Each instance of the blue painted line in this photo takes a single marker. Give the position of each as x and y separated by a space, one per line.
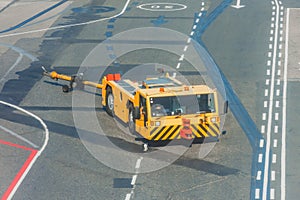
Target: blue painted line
240 113
112 20
108 34
110 26
34 17
112 56
109 48
159 21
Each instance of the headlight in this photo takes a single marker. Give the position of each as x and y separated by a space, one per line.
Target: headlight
157 123
213 119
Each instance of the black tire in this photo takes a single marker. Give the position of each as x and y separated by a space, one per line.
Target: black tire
65 88
131 120
109 100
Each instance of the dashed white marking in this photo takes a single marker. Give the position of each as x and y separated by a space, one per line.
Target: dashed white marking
189 40
271 31
273 13
202 9
281 13
276 129
275 143
269 63
133 179
281 25
266 92
271 38
274 158
281 32
197 20
268 72
270 46
280 39
279 72
272 2
273 7
194 27
281 8
128 196
279 63
267 81
278 82
258 176
277 104
199 15
264 116
261 143
178 65
185 48
273 176
257 193
276 116
265 104
203 3
260 158
272 193
192 33
181 57
279 54
138 163
269 54
280 46
281 19
277 92
262 129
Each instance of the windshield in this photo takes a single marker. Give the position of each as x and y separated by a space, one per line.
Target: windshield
181 105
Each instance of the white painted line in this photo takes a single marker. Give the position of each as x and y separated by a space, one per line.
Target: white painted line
202 9
138 163
192 33
197 20
277 92
272 2
279 63
280 2
272 194
271 31
128 196
194 27
273 176
281 25
189 40
281 8
181 57
269 63
178 65
281 19
284 97
267 81
279 72
266 92
272 19
12 67
273 13
277 104
39 151
264 116
262 129
261 143
69 25
280 46
276 116
269 54
257 191
260 158
276 129
278 82
268 72
271 38
281 32
185 48
133 179
274 158
281 13
258 176
203 3
270 115
273 7
174 75
280 39
265 104
199 15
270 46
275 143
279 54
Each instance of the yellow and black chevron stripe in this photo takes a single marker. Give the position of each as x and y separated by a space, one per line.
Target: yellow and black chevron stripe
171 132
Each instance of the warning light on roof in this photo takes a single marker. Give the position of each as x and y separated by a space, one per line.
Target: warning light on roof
161 89
186 88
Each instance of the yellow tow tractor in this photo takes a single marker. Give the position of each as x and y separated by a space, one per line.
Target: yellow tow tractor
161 110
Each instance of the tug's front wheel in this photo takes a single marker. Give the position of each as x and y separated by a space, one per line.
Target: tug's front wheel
109 102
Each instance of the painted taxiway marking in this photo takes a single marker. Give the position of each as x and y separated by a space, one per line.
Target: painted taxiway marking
17 182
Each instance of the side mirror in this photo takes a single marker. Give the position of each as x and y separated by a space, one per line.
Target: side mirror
225 106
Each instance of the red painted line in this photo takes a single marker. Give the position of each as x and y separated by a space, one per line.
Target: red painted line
16 145
23 168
